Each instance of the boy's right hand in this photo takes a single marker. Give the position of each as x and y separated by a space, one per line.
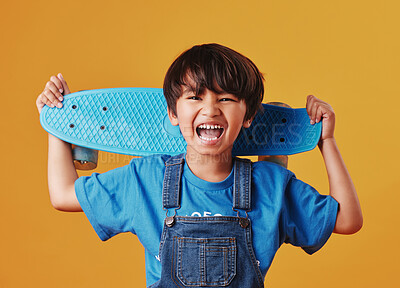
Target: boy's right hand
53 93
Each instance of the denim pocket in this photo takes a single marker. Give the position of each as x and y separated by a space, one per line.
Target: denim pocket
206 261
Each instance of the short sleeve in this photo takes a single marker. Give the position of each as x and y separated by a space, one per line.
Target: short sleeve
107 200
309 217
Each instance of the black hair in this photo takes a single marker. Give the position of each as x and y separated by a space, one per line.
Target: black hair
219 69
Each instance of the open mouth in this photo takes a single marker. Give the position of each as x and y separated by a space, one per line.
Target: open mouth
209 132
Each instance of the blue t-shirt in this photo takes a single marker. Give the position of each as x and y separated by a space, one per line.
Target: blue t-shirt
129 199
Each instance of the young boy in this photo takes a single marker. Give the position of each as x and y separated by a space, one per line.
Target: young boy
251 208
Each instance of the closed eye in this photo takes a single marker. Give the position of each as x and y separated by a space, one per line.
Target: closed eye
227 99
193 98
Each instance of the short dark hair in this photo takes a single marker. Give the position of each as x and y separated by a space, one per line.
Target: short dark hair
219 69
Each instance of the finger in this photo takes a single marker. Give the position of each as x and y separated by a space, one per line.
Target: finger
316 106
57 83
54 89
43 100
311 99
51 99
308 104
64 84
319 113
312 106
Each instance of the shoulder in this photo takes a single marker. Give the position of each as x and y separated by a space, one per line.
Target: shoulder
137 167
158 159
152 162
148 167
264 170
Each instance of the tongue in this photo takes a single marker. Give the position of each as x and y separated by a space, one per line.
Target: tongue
210 133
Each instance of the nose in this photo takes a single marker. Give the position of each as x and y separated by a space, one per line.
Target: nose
210 107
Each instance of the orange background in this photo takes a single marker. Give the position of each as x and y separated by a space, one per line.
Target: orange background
345 52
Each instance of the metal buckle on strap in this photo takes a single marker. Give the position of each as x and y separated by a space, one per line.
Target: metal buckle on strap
244 222
170 220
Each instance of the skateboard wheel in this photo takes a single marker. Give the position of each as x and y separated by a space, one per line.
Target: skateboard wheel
84 158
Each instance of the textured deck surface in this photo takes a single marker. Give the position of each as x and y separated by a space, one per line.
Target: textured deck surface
134 121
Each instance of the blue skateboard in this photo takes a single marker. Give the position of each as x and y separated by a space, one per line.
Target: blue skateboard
134 121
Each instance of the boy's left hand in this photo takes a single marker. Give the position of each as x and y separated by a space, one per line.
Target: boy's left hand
319 110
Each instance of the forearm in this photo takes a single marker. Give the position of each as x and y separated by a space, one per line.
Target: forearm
341 188
62 176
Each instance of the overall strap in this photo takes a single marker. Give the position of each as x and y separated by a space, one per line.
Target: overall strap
172 181
242 184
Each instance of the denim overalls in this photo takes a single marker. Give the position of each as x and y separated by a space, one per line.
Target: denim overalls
213 251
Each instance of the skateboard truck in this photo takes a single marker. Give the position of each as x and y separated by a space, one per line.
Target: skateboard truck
84 158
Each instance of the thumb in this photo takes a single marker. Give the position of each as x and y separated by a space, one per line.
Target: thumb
64 84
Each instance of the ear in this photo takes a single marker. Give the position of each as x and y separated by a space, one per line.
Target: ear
247 123
172 117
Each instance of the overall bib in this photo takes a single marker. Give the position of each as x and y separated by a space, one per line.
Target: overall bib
214 251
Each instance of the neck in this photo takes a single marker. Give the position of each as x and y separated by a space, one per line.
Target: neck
212 168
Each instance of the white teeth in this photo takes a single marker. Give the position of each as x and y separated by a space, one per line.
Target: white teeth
207 139
206 126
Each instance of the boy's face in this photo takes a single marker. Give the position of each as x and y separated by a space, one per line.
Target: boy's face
210 122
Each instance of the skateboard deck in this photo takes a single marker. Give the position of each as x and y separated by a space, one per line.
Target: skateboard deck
134 121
